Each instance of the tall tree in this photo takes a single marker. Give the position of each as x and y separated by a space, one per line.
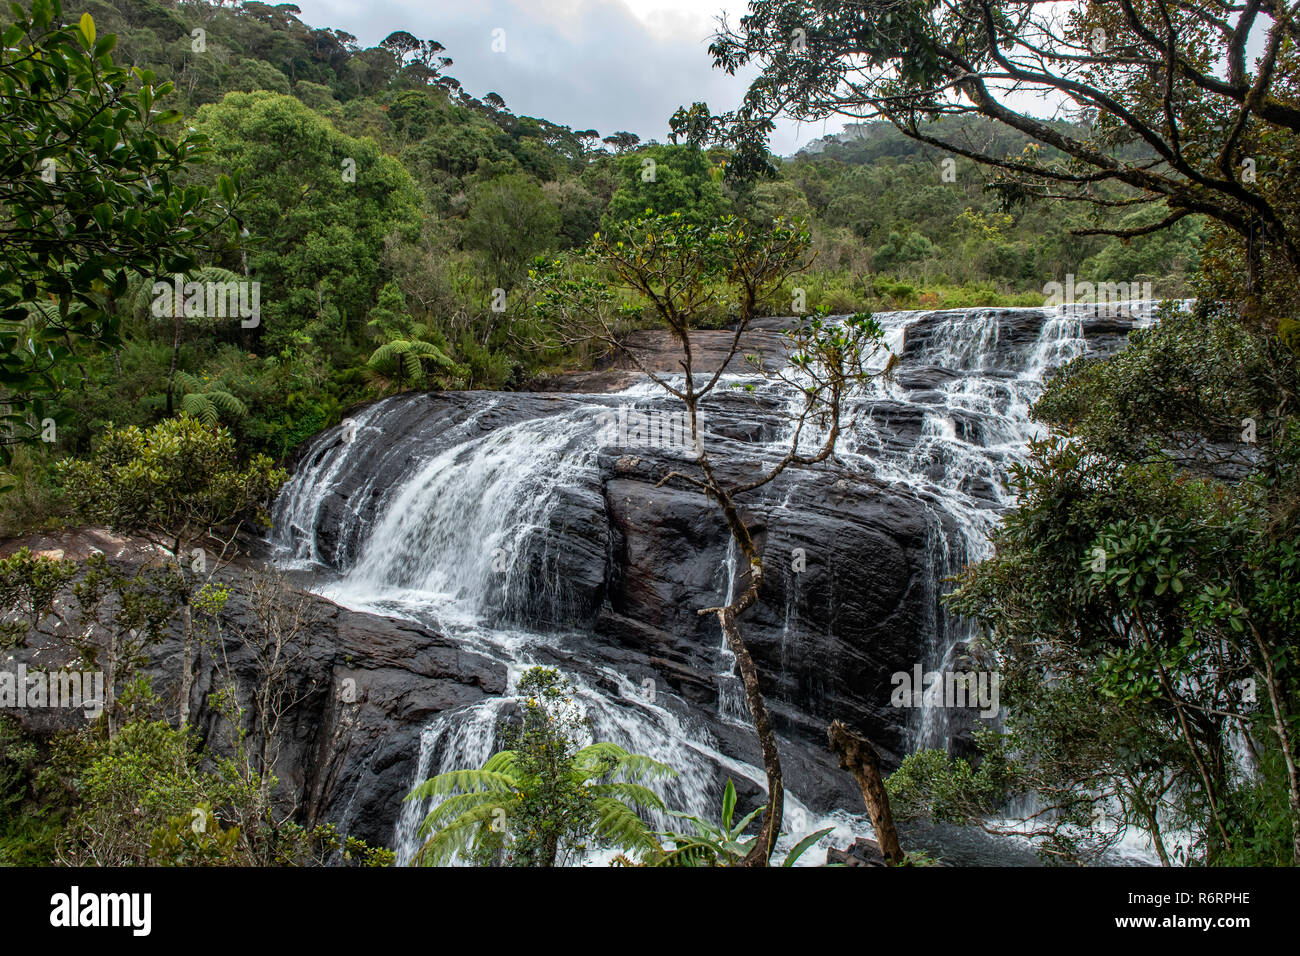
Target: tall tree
675 268
324 204
90 193
178 484
509 222
1215 130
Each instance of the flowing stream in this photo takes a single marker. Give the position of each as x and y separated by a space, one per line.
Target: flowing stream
464 540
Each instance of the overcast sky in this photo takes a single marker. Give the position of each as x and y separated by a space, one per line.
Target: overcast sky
591 64
603 64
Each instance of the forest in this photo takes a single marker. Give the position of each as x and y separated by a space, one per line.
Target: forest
455 196
230 235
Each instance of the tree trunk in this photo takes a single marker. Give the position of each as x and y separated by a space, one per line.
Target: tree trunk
859 757
171 372
110 698
1281 722
770 828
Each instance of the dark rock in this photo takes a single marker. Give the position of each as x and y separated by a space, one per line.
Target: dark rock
365 686
861 852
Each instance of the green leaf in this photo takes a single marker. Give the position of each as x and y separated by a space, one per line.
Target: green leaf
802 846
728 805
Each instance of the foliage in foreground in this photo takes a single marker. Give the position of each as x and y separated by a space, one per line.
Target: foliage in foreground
547 799
1142 607
719 844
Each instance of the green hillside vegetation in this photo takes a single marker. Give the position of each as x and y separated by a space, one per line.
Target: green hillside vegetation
213 255
372 185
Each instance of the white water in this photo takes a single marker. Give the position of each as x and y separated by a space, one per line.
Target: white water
463 543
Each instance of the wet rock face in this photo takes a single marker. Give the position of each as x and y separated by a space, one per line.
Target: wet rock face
618 564
845 595
848 598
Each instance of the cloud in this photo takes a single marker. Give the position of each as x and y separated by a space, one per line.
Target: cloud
599 64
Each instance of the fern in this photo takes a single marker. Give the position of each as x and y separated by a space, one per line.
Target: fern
142 296
207 402
618 824
463 821
402 361
460 835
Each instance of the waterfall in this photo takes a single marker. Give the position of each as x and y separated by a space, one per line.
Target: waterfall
460 523
731 691
493 495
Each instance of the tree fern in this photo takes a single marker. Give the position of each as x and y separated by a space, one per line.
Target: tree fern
468 829
544 798
207 402
402 362
617 824
141 294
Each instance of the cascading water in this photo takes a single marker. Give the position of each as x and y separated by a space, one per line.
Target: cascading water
464 533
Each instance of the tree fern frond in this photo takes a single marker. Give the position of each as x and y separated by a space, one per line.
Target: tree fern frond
456 805
688 853
188 382
406 357
142 295
430 351
459 835
503 762
229 405
630 793
411 367
197 405
618 825
469 781
603 758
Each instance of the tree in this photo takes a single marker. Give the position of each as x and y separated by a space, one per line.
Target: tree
898 250
1145 587
666 179
1212 131
1186 521
402 363
537 803
91 192
622 141
458 148
171 303
150 794
401 44
579 211
509 222
176 485
676 268
206 401
324 204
